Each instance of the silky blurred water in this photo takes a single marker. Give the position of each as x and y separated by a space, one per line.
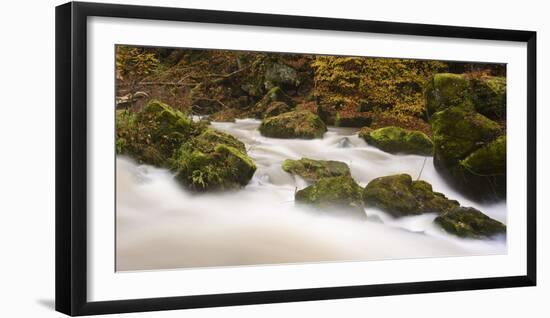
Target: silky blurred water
160 225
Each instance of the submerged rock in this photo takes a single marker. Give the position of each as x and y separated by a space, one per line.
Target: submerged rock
448 90
213 161
469 223
353 119
397 140
344 143
335 195
399 196
295 124
153 134
459 134
313 170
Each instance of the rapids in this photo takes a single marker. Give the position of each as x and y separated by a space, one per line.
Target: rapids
160 225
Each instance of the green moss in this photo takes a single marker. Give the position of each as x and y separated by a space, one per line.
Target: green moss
485 94
397 140
295 124
239 167
168 119
120 145
253 86
205 159
448 90
124 123
469 223
368 83
399 196
430 201
313 170
456 133
365 132
336 195
210 138
276 108
489 160
489 96
275 94
279 74
153 134
215 167
353 119
213 161
227 115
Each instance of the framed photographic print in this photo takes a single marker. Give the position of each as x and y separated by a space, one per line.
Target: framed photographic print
208 158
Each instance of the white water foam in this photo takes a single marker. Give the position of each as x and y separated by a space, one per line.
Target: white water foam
160 225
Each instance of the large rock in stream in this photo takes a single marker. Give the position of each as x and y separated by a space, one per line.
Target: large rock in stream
295 124
276 108
484 94
279 74
470 153
313 170
337 196
489 96
353 119
274 102
469 223
448 90
397 140
399 195
153 134
213 161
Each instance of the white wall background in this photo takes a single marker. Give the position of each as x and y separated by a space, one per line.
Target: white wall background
27 159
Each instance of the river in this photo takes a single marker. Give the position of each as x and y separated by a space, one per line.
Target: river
160 225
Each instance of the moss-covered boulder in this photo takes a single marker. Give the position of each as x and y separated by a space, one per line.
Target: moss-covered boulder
313 170
489 96
399 196
225 115
469 223
448 90
353 119
334 195
153 134
489 160
253 86
397 140
279 74
295 124
275 94
276 108
459 134
484 94
213 161
211 137
364 132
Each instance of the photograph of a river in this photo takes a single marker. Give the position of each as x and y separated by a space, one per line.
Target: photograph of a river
162 225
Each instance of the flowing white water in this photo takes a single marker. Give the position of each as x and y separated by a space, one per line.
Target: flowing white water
160 225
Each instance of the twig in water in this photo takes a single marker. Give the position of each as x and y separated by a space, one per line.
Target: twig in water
423 164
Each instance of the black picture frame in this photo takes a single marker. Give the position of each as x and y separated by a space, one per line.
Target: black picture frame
71 157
